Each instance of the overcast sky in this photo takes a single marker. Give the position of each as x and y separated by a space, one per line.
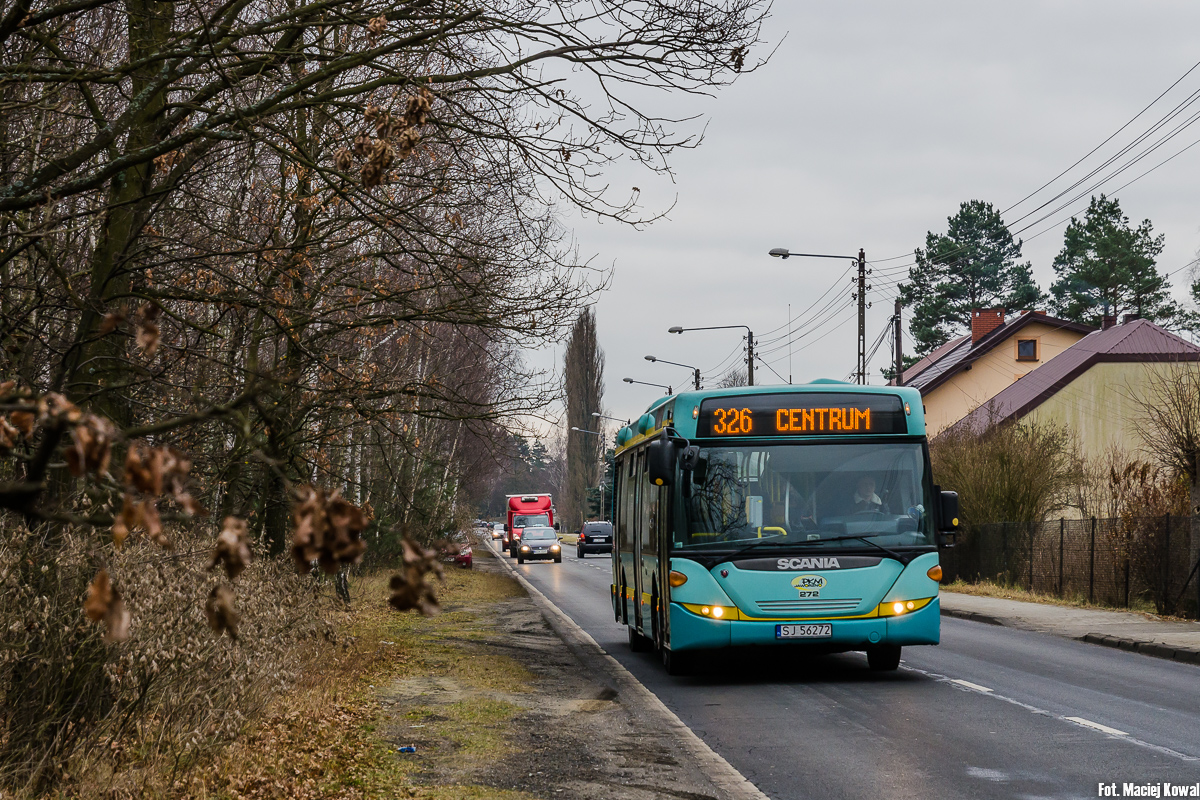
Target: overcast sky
872 122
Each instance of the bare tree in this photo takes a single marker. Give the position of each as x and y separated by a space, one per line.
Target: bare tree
1169 426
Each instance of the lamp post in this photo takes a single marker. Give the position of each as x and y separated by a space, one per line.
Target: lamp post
749 345
614 419
643 383
860 295
695 370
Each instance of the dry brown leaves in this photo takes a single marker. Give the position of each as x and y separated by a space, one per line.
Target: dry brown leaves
220 611
154 470
328 530
112 320
395 136
54 409
409 588
380 155
104 604
376 26
418 107
151 471
9 435
147 330
18 425
91 446
233 547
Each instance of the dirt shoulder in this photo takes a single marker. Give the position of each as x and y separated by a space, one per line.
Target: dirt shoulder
506 706
493 701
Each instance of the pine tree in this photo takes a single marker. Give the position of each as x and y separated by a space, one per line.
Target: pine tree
972 265
1107 268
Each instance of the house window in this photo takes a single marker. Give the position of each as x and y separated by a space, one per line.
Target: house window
1027 350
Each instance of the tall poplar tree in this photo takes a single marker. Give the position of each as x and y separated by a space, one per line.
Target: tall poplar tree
973 265
583 383
1107 267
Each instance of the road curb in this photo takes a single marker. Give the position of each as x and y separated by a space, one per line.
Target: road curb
1153 649
974 616
716 769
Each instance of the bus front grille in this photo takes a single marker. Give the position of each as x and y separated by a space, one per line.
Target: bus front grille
806 607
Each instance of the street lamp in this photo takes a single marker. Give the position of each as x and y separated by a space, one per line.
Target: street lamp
749 346
695 370
643 383
614 419
860 296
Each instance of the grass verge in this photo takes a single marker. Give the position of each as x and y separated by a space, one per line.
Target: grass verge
392 680
992 589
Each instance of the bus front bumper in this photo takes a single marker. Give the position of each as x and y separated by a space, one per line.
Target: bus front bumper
691 631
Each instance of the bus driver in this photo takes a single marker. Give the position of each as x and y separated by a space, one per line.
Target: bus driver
865 499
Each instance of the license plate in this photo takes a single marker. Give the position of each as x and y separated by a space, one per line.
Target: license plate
822 630
601 539
540 550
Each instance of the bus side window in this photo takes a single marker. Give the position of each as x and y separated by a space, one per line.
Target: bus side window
648 512
626 514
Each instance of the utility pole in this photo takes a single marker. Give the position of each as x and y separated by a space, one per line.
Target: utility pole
861 296
750 360
899 350
860 369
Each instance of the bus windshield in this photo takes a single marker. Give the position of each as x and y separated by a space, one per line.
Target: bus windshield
804 494
528 520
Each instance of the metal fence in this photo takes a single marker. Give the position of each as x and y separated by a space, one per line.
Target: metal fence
1137 562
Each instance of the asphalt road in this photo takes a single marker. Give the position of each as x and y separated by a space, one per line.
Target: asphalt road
991 712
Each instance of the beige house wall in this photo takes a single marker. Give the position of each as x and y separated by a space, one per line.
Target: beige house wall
1100 406
992 374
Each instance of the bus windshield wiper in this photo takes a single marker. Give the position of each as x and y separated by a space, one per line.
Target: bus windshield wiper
750 547
862 538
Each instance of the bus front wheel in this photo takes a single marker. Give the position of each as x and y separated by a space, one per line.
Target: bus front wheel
676 663
637 642
884 657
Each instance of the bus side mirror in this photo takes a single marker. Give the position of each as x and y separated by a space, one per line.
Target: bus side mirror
507 527
660 462
948 511
556 526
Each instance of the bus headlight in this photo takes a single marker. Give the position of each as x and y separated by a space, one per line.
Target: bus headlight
898 607
712 612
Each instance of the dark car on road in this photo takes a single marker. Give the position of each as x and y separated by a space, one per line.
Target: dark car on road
457 549
539 542
594 537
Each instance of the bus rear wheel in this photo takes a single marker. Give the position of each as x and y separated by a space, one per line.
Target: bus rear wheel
884 657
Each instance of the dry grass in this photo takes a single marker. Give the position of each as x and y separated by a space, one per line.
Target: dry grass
336 734
992 589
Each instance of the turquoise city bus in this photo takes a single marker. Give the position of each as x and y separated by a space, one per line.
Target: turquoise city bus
774 515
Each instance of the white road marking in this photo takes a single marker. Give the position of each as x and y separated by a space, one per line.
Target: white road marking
1087 723
970 685
1073 720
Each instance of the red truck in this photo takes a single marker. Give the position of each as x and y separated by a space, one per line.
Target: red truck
525 510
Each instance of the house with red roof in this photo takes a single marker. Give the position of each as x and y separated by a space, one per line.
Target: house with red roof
966 373
1094 387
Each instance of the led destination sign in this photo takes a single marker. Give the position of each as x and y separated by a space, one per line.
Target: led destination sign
810 414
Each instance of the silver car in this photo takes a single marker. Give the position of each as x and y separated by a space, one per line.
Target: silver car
539 542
